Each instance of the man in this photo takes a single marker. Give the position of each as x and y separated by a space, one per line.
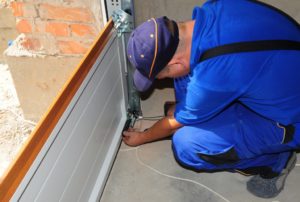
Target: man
236 110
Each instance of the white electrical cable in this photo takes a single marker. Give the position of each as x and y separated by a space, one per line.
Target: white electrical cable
170 176
126 150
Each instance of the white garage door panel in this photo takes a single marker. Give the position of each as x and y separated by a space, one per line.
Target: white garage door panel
87 135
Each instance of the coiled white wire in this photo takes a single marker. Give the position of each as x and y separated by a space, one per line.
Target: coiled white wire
170 176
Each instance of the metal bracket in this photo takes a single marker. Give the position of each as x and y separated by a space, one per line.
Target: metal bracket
123 22
131 119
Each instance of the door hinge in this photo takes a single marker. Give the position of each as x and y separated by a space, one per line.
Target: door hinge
123 22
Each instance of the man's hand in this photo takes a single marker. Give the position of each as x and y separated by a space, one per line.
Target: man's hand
133 138
161 129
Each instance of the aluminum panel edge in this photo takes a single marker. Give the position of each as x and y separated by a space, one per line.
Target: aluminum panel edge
102 176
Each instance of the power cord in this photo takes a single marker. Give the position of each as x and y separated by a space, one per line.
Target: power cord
150 118
136 149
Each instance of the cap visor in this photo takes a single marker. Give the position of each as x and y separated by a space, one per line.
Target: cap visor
141 82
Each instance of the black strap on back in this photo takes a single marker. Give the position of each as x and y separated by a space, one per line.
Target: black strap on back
253 46
250 46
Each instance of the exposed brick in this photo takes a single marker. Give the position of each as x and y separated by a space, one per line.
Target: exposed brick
24 26
29 10
48 11
57 29
17 8
32 44
83 30
39 25
71 47
49 45
7 19
69 1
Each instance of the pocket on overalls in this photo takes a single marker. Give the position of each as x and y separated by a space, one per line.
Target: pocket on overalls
227 156
287 140
288 133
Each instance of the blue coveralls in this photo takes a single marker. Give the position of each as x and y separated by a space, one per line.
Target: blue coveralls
239 111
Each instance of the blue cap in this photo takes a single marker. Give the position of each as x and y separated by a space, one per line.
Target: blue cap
150 48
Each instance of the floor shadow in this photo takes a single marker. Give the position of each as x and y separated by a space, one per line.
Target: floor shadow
158 84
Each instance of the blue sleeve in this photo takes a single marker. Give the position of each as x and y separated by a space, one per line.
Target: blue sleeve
208 91
201 104
180 86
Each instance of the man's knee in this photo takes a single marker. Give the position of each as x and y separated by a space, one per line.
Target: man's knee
186 152
201 153
183 146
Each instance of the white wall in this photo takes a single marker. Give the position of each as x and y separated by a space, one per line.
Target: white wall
182 9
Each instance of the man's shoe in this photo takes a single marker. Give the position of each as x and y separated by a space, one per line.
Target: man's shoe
269 188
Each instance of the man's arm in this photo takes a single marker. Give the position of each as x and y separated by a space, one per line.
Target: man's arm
161 129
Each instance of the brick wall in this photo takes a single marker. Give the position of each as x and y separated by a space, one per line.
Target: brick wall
59 27
95 7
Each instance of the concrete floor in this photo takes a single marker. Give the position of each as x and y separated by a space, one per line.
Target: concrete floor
150 173
39 80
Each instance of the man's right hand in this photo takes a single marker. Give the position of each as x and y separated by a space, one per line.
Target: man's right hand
163 128
133 138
